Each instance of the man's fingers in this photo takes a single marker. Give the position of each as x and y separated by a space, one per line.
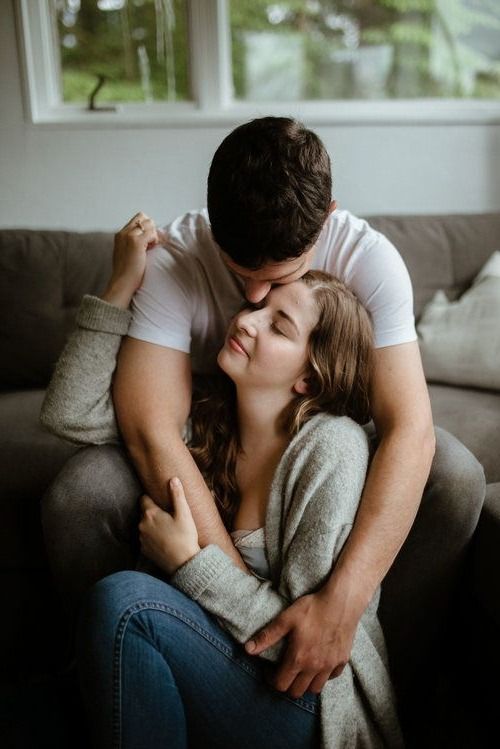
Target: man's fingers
274 632
337 671
319 682
300 685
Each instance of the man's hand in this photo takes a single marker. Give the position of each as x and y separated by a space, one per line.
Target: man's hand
319 643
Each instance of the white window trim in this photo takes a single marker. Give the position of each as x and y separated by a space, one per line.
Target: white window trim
211 79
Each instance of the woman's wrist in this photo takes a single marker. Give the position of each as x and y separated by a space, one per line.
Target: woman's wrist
118 293
176 562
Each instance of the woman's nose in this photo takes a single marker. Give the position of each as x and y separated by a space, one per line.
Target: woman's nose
255 291
248 322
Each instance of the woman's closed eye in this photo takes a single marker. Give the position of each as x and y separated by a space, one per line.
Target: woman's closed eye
277 330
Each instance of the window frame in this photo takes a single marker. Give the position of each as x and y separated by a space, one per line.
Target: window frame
211 82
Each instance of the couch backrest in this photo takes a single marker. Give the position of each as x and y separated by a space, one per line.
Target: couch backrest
43 276
441 252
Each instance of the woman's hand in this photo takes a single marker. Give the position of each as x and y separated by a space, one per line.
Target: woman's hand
169 540
129 259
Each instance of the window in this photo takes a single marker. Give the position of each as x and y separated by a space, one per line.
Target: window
122 62
137 50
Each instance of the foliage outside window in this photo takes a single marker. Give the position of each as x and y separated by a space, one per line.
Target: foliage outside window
139 46
365 49
285 51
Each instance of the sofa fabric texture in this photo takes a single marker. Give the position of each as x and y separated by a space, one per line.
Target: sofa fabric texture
43 277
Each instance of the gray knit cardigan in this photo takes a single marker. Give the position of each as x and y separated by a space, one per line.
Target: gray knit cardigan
311 509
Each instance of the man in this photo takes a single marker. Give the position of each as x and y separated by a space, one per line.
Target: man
270 218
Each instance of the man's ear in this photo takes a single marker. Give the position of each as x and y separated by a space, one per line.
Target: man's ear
302 386
333 206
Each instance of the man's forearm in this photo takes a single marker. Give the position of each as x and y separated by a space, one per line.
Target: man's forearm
389 504
156 465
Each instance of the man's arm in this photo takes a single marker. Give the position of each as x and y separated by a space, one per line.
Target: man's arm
397 474
390 500
152 398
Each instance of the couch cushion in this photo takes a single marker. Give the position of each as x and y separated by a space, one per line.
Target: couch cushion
441 252
43 276
474 417
30 458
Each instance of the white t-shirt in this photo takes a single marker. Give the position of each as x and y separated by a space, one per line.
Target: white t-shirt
188 294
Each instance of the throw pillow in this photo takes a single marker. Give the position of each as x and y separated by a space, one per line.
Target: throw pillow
460 341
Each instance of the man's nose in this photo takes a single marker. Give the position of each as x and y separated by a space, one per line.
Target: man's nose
255 291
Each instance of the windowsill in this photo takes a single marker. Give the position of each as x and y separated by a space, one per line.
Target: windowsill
357 113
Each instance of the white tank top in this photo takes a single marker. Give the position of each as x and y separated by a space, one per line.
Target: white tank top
252 547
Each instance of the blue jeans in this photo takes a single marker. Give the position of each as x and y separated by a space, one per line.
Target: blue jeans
158 671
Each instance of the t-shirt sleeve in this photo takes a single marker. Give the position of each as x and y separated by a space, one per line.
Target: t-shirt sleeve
163 307
383 285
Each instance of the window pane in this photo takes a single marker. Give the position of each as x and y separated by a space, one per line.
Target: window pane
365 49
140 46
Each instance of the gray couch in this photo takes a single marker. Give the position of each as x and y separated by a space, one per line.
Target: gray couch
43 275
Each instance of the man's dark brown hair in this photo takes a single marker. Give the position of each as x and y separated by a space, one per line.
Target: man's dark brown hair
269 191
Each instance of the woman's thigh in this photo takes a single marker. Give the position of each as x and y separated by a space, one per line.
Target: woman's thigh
224 692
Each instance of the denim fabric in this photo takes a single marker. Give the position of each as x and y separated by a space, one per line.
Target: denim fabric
156 670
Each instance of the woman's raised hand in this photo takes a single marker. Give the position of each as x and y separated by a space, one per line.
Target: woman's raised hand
129 259
168 539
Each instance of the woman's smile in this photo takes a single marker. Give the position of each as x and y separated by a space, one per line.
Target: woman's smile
237 346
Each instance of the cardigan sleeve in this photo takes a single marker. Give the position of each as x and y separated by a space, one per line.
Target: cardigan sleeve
240 600
78 405
323 520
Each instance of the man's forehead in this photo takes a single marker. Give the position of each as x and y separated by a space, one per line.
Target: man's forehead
269 271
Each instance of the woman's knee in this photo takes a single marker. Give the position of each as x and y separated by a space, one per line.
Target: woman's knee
126 592
122 602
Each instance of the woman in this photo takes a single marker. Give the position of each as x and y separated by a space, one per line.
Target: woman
161 661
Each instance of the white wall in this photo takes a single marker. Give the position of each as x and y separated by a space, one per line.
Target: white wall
90 179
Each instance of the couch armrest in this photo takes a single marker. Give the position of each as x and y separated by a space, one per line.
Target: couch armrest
486 555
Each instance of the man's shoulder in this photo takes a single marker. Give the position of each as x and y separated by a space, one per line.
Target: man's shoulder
190 232
358 254
343 231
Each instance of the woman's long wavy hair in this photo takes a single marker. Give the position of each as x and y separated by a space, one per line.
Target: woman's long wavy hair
340 350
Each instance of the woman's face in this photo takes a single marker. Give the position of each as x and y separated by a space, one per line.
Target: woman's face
267 344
